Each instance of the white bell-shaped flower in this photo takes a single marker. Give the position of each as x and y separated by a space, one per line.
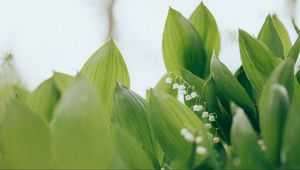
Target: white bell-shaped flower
194 95
198 139
205 114
211 118
188 97
201 150
189 137
175 86
216 140
168 80
207 126
197 108
181 87
184 131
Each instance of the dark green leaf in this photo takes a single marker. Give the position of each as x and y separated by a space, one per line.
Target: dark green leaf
258 61
182 45
80 130
298 76
104 68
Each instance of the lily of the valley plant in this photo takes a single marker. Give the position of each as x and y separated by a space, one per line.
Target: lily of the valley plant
199 116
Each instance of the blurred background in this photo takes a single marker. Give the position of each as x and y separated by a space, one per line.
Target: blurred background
59 35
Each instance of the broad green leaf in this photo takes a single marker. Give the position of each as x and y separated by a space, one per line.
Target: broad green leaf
274 104
81 134
298 76
258 61
62 81
205 24
291 150
131 113
271 38
241 76
168 117
104 68
182 45
231 89
132 153
285 38
244 143
44 98
165 87
26 138
294 52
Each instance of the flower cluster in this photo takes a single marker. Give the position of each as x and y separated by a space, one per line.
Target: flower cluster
188 136
188 92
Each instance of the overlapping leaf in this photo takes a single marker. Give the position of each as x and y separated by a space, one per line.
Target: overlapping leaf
165 87
182 45
62 81
258 61
80 130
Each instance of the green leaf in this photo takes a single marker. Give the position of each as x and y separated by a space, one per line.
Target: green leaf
168 117
131 113
193 80
182 45
241 76
258 61
295 26
165 87
205 24
44 98
81 134
271 38
286 41
298 76
244 142
26 138
132 153
232 90
294 52
291 149
274 104
62 81
104 68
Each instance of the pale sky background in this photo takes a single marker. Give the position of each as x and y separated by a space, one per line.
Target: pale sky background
60 35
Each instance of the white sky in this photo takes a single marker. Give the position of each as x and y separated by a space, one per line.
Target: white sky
60 35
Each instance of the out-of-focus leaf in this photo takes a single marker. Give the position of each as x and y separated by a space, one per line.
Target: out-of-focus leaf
285 38
274 104
131 113
294 52
21 92
298 76
273 107
80 130
165 87
44 98
241 76
182 45
104 68
271 38
62 81
26 138
205 24
168 117
291 138
232 90
132 153
244 142
258 61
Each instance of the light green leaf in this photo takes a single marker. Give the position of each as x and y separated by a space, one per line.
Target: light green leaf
182 45
271 38
81 133
295 26
168 117
193 80
104 68
132 153
205 24
294 52
291 138
165 87
44 98
244 142
26 138
258 61
232 90
131 113
285 38
62 81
